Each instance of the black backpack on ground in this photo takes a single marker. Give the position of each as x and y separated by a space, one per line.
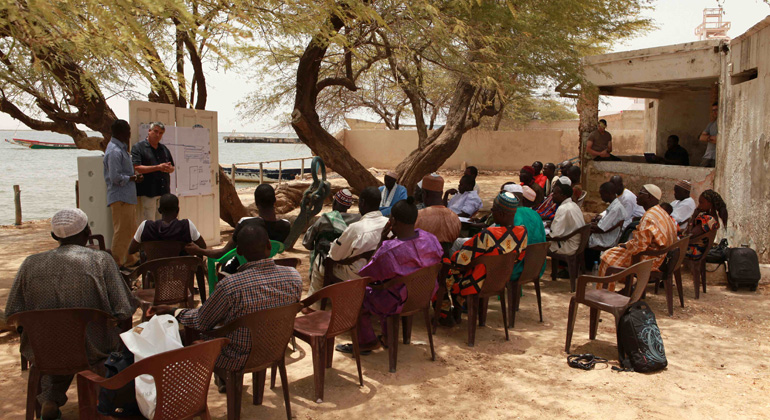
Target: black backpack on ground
119 402
742 268
639 342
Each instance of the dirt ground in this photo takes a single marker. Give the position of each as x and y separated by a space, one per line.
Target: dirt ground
717 351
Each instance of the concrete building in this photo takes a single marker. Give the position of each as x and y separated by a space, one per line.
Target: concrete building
679 84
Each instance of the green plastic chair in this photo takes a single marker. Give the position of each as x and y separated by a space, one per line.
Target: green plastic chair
275 248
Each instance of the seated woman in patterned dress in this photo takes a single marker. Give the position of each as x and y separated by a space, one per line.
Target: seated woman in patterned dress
706 217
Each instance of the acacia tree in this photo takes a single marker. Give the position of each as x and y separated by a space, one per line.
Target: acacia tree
60 61
482 55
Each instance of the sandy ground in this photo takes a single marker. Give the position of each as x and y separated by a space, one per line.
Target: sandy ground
716 347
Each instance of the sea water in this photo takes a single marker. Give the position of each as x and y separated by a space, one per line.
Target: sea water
47 177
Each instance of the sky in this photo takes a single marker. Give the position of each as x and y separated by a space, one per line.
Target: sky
675 20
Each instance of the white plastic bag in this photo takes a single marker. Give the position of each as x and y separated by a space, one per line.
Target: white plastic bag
158 335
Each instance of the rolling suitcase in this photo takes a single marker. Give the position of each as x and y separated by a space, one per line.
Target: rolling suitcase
742 268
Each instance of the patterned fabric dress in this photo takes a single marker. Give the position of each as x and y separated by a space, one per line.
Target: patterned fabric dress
547 209
495 240
707 223
656 230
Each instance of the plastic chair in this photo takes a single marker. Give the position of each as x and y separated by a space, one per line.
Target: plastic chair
173 281
582 199
320 327
154 250
58 341
182 379
276 248
533 264
499 269
674 256
288 262
698 266
419 286
574 261
97 242
270 331
605 300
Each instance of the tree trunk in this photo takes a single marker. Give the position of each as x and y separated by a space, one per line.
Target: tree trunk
230 207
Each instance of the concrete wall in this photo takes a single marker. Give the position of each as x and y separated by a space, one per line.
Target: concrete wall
743 147
685 114
635 175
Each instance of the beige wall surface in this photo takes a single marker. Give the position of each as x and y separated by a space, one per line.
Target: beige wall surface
743 147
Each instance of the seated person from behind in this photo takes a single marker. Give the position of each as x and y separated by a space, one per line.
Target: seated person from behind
71 276
532 222
357 244
435 217
259 284
390 193
655 231
527 178
411 250
502 238
567 219
601 236
466 201
319 237
168 228
277 230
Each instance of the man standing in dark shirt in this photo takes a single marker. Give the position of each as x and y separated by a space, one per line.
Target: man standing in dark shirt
152 159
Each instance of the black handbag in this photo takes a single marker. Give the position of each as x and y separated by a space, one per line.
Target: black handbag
119 402
718 254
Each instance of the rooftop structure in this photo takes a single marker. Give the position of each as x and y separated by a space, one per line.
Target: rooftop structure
712 26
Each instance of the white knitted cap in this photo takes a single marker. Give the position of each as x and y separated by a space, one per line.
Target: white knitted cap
68 222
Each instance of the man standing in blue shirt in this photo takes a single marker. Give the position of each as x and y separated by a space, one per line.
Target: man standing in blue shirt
121 192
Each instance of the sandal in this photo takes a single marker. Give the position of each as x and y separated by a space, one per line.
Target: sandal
348 349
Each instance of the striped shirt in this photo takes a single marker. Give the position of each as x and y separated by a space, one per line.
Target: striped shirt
256 286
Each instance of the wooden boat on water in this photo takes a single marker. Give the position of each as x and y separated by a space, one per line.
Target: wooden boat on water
269 175
34 144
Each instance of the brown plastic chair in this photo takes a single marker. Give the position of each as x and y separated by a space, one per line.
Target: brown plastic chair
320 327
270 331
574 261
154 250
698 266
605 300
288 262
58 341
168 281
499 269
582 199
419 286
674 257
534 258
182 378
618 226
97 242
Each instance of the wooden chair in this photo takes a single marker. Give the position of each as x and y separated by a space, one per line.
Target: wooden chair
499 269
168 281
154 250
698 266
574 261
320 327
420 286
58 341
533 264
604 300
270 331
182 378
674 256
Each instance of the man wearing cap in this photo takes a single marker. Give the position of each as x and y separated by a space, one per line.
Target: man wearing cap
655 231
527 178
121 192
684 205
71 276
391 193
152 159
466 200
502 238
319 237
599 144
436 218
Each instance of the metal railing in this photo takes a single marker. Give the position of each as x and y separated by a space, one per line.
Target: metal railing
234 168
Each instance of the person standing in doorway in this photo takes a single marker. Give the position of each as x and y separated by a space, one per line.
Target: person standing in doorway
709 135
599 144
121 183
152 159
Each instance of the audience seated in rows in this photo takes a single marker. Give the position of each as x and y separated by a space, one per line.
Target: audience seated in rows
168 228
549 172
529 220
567 219
628 199
684 206
71 276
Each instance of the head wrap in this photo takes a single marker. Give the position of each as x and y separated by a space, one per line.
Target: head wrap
653 190
68 222
529 169
344 197
507 201
512 188
433 182
565 180
392 174
684 184
528 193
